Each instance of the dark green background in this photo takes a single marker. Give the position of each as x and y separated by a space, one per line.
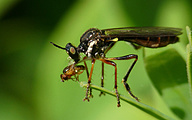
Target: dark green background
30 86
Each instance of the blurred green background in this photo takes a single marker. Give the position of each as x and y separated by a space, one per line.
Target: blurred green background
30 86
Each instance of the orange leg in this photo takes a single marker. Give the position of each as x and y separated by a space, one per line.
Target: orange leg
86 68
90 93
113 64
127 57
89 81
102 78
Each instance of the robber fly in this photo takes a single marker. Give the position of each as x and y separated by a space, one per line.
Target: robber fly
95 43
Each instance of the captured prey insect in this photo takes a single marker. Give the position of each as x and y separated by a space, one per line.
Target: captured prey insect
72 70
95 43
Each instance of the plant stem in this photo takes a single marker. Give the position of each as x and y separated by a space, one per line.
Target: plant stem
145 108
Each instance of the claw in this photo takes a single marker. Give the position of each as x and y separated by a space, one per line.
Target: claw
90 96
118 105
86 98
101 93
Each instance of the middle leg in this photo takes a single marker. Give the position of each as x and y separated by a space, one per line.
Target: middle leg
113 64
102 78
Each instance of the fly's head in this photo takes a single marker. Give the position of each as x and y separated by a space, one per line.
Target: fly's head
71 51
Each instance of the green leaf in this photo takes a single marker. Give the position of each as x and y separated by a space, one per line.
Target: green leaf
189 59
167 71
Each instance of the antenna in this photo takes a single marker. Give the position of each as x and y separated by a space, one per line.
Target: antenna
58 46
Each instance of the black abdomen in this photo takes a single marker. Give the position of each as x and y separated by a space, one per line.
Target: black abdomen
152 42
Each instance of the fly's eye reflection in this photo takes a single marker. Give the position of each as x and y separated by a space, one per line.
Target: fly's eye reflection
72 50
95 44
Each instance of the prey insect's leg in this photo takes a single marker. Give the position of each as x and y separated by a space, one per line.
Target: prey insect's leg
89 81
90 92
127 57
113 64
102 78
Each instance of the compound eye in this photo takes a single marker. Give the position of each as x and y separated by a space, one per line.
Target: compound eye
72 51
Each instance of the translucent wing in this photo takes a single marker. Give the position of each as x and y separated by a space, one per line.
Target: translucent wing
152 37
141 32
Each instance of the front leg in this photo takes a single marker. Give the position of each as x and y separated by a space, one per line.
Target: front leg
89 81
86 68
